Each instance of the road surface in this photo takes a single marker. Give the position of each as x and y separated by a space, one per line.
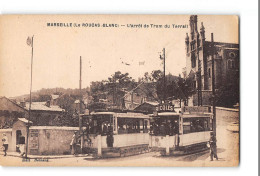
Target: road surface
227 143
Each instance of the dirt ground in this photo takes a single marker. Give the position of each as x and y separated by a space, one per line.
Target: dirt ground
227 143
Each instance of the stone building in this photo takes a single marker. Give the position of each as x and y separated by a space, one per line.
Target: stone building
48 135
145 92
199 62
42 113
10 111
45 114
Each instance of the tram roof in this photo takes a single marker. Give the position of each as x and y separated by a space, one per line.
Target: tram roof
196 115
184 115
165 114
123 115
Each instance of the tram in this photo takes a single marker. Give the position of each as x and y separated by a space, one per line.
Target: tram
114 134
176 133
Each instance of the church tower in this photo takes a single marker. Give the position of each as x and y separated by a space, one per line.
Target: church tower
198 68
194 43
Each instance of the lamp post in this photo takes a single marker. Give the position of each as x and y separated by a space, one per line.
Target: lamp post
30 43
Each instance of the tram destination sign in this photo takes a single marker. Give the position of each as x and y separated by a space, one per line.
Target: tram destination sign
200 109
165 107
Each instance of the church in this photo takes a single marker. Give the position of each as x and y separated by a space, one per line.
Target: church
199 52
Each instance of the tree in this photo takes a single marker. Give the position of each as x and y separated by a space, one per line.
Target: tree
66 102
182 89
115 87
177 88
227 95
149 84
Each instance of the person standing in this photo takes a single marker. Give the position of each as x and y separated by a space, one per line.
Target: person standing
110 137
21 145
73 143
213 146
5 143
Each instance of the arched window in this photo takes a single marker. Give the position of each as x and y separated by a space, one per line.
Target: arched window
231 64
209 73
194 84
193 61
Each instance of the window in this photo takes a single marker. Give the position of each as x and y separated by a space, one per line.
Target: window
209 73
194 84
192 125
193 61
130 125
231 64
165 126
232 55
101 124
186 126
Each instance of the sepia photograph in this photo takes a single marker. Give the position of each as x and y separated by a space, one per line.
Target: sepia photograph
120 90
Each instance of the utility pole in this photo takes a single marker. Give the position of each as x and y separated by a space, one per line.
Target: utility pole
28 125
114 90
214 124
80 107
199 80
164 78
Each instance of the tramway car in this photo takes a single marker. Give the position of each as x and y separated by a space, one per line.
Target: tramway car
112 134
175 133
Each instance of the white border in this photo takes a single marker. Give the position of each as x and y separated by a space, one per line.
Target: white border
247 10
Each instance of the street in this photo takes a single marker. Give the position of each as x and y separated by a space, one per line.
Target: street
227 148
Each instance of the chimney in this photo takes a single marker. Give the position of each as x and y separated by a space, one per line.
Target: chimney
23 104
48 103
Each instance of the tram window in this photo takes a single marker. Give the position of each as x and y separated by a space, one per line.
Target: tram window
106 128
133 126
146 126
207 124
141 124
192 125
163 127
128 125
173 127
122 126
210 124
93 127
101 124
197 125
186 126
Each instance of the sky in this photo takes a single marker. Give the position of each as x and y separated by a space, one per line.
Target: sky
57 50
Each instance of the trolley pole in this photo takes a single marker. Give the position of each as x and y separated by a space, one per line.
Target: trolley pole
213 87
80 108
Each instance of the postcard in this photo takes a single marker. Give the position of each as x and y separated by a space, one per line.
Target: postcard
119 90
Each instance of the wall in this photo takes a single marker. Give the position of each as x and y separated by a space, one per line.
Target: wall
206 95
227 114
19 125
52 140
43 140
